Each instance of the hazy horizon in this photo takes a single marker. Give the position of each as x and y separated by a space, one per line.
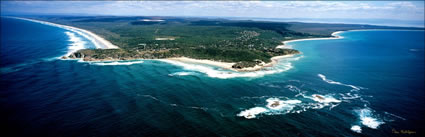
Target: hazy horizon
395 10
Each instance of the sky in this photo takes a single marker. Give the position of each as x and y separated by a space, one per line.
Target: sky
400 10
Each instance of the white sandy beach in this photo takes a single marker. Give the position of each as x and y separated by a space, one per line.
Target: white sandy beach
228 65
334 36
98 41
225 65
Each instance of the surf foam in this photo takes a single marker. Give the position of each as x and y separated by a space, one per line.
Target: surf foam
368 119
324 99
87 34
277 104
274 106
214 72
323 77
356 128
76 43
182 74
252 112
116 63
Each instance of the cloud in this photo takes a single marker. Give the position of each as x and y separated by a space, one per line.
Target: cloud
270 9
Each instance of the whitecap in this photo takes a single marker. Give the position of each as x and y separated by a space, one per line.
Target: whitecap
116 63
323 98
182 74
349 96
323 77
274 106
281 105
293 88
368 119
252 112
86 34
76 43
356 128
394 115
322 101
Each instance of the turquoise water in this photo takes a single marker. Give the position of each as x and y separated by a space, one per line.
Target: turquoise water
370 80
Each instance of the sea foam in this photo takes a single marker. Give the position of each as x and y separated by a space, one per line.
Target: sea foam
356 128
324 99
76 43
81 32
116 63
323 77
368 119
274 106
252 112
281 105
182 74
210 71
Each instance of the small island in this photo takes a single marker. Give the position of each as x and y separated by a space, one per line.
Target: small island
243 45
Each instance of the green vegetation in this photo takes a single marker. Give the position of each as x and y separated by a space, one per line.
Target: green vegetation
246 42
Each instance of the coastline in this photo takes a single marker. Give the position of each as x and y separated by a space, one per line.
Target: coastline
334 36
274 60
228 65
101 43
98 41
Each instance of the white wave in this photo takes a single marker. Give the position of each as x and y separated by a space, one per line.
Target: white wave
323 77
182 74
293 88
349 96
213 72
76 43
368 119
86 34
152 97
116 63
356 128
324 99
281 105
252 112
394 115
274 106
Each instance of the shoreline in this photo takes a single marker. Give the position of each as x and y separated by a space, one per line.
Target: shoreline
274 60
334 36
228 65
98 41
101 43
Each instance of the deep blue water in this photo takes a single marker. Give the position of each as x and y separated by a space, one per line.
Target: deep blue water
374 76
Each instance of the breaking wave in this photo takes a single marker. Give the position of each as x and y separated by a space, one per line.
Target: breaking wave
73 29
356 128
76 43
368 119
113 63
252 112
182 74
276 106
214 72
323 77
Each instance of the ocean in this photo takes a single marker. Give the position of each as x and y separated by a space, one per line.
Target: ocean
369 83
